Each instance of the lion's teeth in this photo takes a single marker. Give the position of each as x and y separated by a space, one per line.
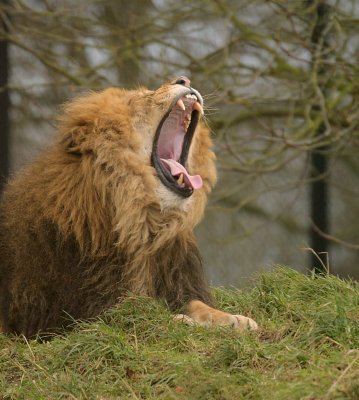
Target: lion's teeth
181 105
180 180
198 107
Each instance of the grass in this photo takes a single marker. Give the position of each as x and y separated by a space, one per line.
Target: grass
307 348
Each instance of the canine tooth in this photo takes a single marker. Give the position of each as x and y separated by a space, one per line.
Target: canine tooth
181 105
198 107
188 96
180 180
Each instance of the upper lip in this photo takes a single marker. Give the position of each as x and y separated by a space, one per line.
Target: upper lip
165 176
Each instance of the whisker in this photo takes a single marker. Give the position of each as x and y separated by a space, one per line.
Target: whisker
209 95
210 108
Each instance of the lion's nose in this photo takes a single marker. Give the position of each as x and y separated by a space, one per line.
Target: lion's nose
182 80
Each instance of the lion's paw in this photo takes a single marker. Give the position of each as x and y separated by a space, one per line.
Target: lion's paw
207 316
236 321
241 322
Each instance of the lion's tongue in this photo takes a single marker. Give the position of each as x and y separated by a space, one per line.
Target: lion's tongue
194 181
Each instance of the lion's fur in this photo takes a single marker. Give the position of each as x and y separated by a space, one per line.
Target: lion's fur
89 220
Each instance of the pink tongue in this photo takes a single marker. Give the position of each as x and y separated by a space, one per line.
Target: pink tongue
194 181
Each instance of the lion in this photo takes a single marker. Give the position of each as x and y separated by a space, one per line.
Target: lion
109 209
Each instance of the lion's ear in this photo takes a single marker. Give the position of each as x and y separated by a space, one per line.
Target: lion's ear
74 140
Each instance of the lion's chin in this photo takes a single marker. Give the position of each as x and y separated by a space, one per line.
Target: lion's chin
169 200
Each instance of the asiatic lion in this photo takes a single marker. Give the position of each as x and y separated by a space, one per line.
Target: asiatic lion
109 208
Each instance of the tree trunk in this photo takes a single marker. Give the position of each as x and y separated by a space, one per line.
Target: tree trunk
125 15
4 100
319 190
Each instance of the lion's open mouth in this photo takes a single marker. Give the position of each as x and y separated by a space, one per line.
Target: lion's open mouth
172 143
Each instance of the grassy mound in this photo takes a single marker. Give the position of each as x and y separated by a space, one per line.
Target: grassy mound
307 348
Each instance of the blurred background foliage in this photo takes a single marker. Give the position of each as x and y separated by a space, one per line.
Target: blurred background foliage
280 80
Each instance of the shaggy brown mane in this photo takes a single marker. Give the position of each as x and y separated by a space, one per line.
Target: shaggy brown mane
89 219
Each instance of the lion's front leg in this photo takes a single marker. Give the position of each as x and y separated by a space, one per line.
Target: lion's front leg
204 315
